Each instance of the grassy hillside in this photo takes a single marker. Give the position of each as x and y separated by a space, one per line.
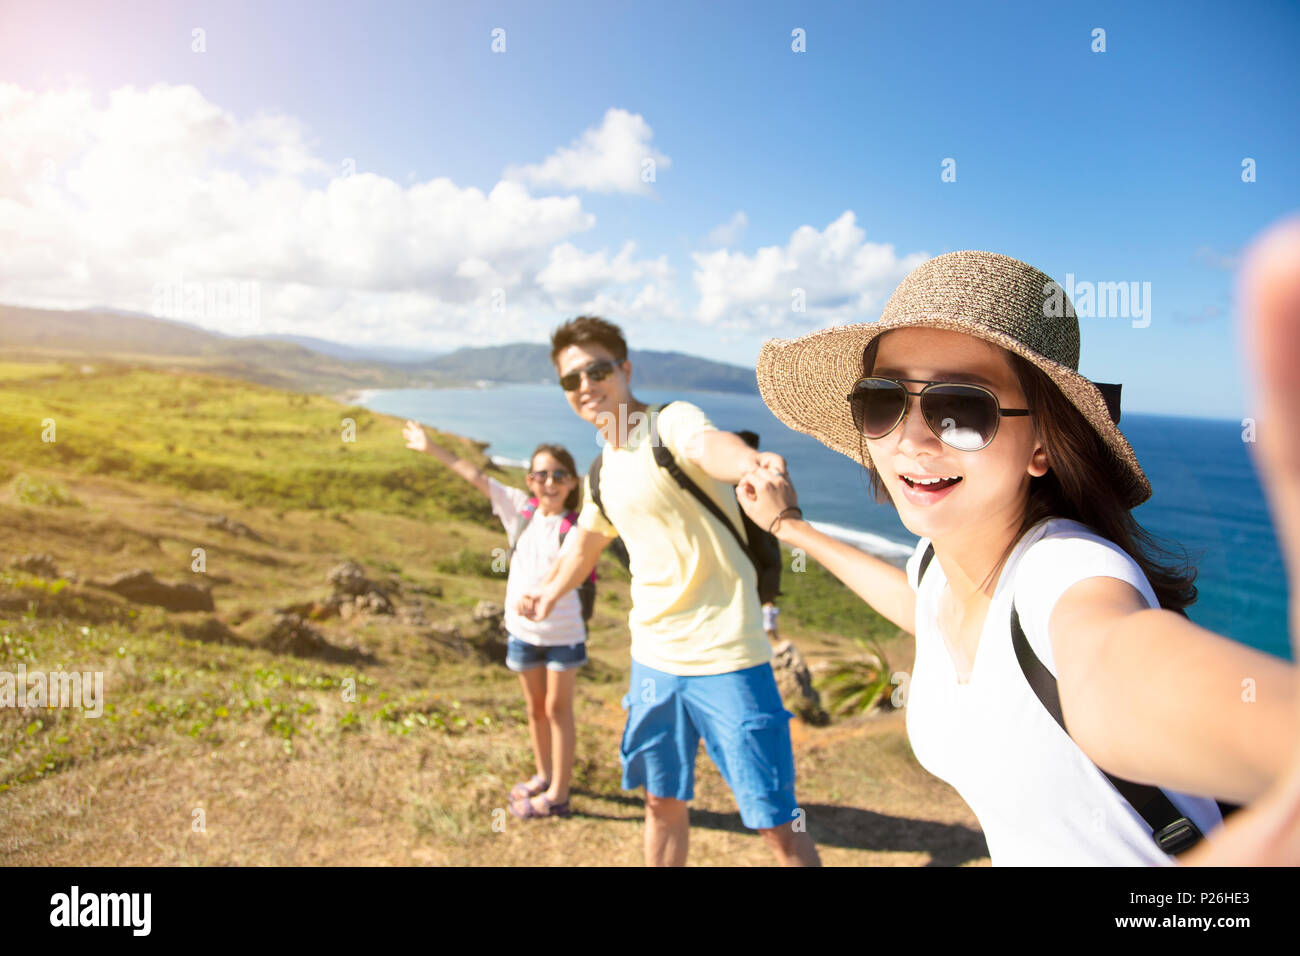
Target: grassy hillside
98 337
357 739
304 364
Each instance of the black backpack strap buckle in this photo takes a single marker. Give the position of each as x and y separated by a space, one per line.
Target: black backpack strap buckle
1182 834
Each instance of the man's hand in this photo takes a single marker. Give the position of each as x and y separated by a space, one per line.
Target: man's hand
1267 833
724 456
773 462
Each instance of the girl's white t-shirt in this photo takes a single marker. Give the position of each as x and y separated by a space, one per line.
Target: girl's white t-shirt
1038 797
537 549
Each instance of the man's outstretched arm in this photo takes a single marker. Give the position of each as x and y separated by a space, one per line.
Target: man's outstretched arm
725 456
574 566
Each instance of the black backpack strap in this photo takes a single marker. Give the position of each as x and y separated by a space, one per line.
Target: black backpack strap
618 547
666 461
1170 828
926 558
593 483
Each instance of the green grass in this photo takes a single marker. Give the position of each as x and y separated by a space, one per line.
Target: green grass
857 686
41 491
816 599
172 436
470 561
159 686
250 443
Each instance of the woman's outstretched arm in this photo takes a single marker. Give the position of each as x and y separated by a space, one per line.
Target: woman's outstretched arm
416 439
1151 697
764 493
1268 831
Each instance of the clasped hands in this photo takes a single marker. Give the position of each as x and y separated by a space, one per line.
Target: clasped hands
765 490
534 605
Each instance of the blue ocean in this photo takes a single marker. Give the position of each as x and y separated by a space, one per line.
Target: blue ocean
1207 497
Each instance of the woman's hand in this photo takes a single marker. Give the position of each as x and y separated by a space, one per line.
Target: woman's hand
1267 833
415 436
764 492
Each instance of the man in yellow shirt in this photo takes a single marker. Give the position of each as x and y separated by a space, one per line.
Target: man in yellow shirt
700 660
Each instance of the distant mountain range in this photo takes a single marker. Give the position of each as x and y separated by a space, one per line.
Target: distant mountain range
531 362
396 354
304 363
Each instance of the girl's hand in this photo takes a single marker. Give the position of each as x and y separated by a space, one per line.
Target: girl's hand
1267 833
415 436
524 607
535 606
764 493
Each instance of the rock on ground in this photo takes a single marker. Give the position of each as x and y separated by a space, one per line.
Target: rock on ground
142 587
795 684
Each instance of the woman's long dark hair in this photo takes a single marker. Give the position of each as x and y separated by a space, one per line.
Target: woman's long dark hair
561 454
1079 484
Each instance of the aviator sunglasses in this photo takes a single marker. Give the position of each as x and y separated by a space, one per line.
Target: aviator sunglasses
559 475
596 372
962 416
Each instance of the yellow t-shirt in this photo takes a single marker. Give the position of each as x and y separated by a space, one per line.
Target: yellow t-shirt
695 603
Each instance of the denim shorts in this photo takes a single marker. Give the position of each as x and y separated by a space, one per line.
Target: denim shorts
522 656
746 732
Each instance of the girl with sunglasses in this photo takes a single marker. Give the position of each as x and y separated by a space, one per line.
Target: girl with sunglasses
546 654
965 403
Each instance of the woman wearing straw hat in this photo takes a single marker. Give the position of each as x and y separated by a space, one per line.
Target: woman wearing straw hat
1037 601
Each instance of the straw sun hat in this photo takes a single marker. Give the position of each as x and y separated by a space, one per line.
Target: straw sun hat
804 380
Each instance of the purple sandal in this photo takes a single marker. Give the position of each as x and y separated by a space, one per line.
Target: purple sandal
524 809
529 788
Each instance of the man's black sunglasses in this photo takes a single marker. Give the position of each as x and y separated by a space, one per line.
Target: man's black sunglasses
596 372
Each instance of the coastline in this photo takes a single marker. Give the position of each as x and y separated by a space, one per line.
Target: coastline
887 549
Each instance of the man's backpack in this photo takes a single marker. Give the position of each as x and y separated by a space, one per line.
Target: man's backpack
762 547
1171 830
587 589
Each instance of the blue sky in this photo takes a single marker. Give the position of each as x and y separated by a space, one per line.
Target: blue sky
1115 166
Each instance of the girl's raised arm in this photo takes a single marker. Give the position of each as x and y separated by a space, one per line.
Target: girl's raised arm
416 439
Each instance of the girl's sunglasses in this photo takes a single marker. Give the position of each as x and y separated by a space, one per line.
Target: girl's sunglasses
963 416
596 372
559 474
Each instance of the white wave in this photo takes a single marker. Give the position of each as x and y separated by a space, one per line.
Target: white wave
504 462
892 551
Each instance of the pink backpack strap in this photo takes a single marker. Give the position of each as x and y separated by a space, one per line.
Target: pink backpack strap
529 507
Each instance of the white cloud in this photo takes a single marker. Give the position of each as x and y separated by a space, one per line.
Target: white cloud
730 232
105 201
573 274
101 203
843 278
1217 260
611 158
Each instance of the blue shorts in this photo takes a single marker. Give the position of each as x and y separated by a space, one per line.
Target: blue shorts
746 732
522 656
